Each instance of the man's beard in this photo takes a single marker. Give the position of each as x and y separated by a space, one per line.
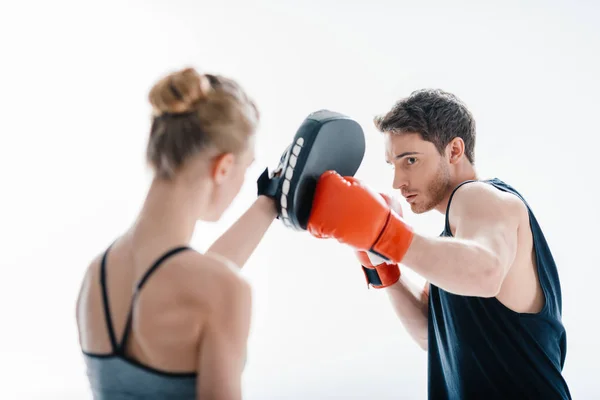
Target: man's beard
436 190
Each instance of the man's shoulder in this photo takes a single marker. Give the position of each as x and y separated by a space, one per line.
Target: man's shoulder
485 197
476 192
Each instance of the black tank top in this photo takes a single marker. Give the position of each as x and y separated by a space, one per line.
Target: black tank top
480 349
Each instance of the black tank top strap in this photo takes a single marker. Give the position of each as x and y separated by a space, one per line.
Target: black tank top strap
141 282
107 315
447 220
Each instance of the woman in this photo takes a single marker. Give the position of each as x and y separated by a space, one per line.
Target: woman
157 319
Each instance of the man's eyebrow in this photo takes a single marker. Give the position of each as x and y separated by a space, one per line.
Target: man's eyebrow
406 153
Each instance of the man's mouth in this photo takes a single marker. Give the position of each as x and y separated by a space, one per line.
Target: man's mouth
410 198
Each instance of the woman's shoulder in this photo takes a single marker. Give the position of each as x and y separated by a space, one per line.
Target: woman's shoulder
211 278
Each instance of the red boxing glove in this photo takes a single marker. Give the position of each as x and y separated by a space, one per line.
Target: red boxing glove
378 273
345 209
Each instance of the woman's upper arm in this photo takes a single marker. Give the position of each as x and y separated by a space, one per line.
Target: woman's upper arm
222 347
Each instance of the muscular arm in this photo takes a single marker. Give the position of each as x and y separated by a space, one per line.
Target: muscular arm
411 306
222 350
476 260
239 242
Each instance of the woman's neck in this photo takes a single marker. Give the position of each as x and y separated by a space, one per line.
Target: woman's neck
169 213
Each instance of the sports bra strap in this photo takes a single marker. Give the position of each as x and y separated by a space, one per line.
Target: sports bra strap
107 316
119 348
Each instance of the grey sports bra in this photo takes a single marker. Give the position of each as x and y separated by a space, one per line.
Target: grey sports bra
115 376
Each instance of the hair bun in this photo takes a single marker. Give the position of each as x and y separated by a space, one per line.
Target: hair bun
179 92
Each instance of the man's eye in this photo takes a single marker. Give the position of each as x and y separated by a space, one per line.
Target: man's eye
411 160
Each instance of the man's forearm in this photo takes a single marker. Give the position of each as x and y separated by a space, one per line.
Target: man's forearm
411 305
239 242
457 266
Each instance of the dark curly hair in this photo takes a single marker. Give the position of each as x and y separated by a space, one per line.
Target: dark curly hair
438 116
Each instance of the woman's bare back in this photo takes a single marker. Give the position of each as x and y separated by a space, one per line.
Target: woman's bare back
170 312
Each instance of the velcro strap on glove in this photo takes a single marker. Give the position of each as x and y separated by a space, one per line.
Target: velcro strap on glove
394 240
382 276
267 185
378 273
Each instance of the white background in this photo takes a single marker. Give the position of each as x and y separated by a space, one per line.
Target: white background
74 121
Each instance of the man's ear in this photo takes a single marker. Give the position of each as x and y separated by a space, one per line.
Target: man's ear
455 150
222 167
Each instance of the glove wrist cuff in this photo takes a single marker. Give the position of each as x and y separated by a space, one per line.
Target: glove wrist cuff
267 185
394 240
382 276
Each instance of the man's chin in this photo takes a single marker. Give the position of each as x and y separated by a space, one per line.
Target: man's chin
420 208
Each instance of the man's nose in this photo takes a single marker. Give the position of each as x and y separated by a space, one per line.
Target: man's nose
400 180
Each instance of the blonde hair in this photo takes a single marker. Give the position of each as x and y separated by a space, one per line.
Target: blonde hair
192 112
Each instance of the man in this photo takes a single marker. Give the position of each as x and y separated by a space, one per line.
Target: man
490 313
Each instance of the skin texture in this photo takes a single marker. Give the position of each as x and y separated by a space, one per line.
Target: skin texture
193 314
491 254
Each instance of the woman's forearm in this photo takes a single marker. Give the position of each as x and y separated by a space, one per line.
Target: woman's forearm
239 242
